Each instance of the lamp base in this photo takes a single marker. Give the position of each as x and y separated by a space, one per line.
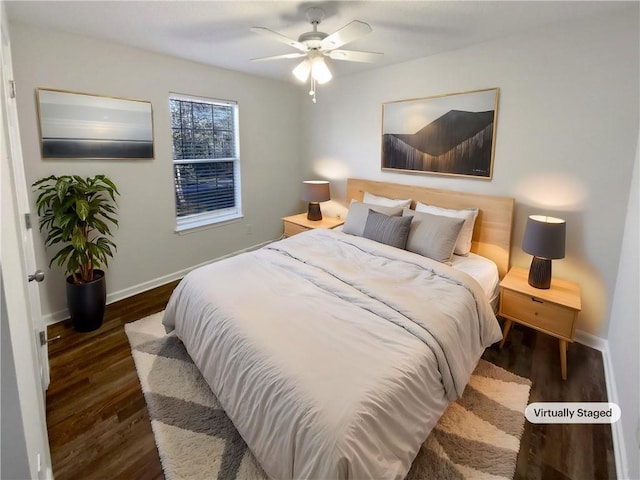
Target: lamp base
540 273
314 212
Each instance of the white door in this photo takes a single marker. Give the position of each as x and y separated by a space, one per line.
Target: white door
22 199
17 262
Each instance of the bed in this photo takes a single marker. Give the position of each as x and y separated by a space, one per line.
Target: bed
333 354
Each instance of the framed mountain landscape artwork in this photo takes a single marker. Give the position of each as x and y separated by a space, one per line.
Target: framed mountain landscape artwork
450 134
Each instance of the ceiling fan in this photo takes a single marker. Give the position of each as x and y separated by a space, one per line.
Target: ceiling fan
316 45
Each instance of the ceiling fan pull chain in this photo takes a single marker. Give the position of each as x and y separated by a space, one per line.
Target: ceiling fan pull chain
312 92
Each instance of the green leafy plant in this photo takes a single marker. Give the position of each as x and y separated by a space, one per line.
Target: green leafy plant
77 212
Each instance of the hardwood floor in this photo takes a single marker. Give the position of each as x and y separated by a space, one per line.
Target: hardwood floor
99 427
96 414
558 451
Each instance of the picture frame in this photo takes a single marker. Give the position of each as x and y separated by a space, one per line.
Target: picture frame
452 134
86 126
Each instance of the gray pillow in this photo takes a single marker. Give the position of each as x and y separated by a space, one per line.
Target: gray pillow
433 236
463 245
388 230
358 213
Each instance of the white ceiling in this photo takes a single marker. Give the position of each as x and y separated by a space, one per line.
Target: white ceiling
217 32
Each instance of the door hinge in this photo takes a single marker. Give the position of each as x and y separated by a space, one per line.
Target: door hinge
27 221
12 89
44 340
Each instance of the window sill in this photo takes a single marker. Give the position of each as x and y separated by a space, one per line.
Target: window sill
205 224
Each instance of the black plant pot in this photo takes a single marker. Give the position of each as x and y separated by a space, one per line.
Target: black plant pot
86 302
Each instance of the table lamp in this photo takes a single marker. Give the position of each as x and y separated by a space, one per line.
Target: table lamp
544 238
314 192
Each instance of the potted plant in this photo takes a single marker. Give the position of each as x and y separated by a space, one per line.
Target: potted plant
77 213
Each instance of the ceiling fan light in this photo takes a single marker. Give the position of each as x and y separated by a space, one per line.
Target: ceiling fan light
320 71
301 72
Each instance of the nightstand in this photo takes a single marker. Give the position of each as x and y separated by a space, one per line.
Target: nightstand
553 311
299 223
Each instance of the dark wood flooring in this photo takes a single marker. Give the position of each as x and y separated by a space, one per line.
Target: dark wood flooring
558 451
97 418
99 427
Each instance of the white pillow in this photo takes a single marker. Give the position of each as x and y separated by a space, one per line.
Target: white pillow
358 213
384 201
463 245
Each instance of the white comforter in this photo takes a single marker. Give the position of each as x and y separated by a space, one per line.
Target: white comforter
333 355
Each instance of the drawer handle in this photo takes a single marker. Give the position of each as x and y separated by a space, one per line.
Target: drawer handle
537 300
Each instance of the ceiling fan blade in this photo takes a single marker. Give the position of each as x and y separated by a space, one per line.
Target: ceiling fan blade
354 56
279 38
346 34
279 57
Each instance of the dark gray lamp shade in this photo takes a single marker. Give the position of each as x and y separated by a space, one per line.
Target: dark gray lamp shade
314 192
544 238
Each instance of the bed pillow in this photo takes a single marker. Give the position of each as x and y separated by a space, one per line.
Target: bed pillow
384 201
385 229
358 212
433 236
463 245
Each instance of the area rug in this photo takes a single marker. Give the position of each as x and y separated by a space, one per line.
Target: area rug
478 437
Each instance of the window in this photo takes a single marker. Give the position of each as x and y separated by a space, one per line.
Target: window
206 160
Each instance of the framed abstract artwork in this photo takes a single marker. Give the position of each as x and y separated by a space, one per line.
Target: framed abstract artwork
79 125
451 134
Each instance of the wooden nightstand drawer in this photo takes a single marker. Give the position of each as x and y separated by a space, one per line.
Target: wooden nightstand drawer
543 315
291 229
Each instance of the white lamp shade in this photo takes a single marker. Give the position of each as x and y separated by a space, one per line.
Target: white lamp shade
301 72
319 70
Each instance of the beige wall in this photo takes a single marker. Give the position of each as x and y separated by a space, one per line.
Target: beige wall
566 135
149 252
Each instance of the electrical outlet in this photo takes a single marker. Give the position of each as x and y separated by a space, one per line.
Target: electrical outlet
249 229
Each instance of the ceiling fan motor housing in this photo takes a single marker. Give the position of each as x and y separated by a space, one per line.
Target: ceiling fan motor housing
312 39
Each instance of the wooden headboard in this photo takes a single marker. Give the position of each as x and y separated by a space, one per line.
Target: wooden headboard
492 231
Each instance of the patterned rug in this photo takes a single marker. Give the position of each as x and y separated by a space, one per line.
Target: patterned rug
478 437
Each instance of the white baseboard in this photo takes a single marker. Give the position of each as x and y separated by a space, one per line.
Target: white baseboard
113 297
591 340
619 447
622 469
